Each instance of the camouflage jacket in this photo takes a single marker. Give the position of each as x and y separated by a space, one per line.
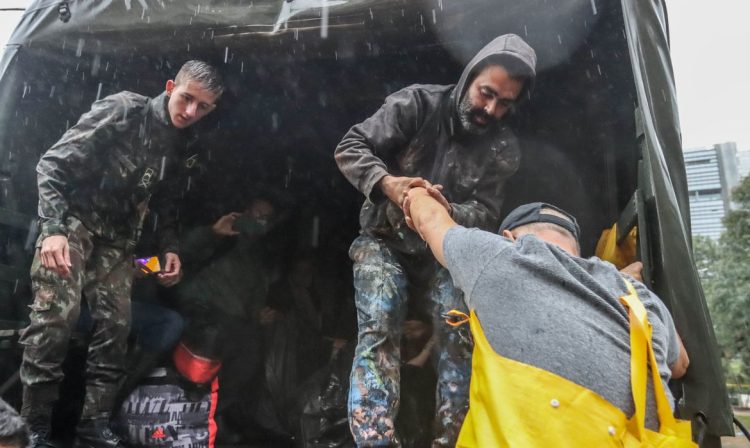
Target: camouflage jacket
417 133
105 169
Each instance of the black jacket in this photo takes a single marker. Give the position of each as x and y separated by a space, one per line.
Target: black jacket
417 133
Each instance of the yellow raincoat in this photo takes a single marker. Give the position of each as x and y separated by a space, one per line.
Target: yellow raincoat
513 404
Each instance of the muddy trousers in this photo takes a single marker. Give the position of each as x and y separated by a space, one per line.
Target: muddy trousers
102 274
380 283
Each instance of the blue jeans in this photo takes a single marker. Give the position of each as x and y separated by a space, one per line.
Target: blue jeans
381 285
155 328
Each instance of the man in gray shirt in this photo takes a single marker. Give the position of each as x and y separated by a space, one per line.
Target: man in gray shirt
541 304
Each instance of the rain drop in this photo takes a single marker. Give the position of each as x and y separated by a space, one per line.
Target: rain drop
96 64
372 17
593 7
226 54
99 92
275 121
559 39
79 48
599 69
52 92
434 19
163 165
324 20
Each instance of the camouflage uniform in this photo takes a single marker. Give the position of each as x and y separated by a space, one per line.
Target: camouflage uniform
95 184
417 133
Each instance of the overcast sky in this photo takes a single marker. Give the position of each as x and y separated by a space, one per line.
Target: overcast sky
709 56
712 70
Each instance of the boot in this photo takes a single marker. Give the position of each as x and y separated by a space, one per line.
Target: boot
36 410
95 433
39 431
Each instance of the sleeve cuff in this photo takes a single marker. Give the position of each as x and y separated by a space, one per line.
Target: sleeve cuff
54 228
371 189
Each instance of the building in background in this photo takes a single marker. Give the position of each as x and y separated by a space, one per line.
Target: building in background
743 162
712 173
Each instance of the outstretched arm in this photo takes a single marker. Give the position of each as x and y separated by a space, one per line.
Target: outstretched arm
429 218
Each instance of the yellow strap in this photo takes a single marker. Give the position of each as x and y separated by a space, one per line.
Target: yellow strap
642 356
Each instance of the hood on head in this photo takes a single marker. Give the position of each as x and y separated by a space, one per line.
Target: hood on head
506 47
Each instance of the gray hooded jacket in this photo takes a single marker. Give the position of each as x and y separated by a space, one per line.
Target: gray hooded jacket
417 133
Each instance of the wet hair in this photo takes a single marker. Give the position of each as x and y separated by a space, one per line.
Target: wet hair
13 430
206 74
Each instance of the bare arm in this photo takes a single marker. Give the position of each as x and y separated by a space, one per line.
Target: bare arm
679 368
429 218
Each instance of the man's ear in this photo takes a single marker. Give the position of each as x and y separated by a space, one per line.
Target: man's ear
507 234
170 86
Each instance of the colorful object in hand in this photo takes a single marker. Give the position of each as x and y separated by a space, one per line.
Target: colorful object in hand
148 265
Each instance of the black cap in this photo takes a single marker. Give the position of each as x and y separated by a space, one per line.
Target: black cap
531 213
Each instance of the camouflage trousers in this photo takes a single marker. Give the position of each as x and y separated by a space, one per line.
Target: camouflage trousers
381 289
103 275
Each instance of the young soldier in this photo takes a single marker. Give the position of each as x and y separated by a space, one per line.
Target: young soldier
95 184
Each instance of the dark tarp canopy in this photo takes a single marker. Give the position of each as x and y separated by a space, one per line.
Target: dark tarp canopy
300 72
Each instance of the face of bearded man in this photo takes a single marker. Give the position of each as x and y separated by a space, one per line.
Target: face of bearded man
490 96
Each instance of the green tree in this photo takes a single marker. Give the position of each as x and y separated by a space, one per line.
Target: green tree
724 268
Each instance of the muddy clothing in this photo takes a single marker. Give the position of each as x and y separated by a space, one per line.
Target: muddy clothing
104 170
384 279
418 133
94 187
103 274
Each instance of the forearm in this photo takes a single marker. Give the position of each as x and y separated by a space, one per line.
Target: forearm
431 220
362 152
357 161
680 367
52 204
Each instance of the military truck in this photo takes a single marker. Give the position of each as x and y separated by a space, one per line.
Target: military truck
600 134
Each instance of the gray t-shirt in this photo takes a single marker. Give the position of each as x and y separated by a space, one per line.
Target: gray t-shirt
542 306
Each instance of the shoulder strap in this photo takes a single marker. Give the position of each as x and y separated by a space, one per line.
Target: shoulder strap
642 356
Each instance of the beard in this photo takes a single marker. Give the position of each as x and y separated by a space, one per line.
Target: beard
467 113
